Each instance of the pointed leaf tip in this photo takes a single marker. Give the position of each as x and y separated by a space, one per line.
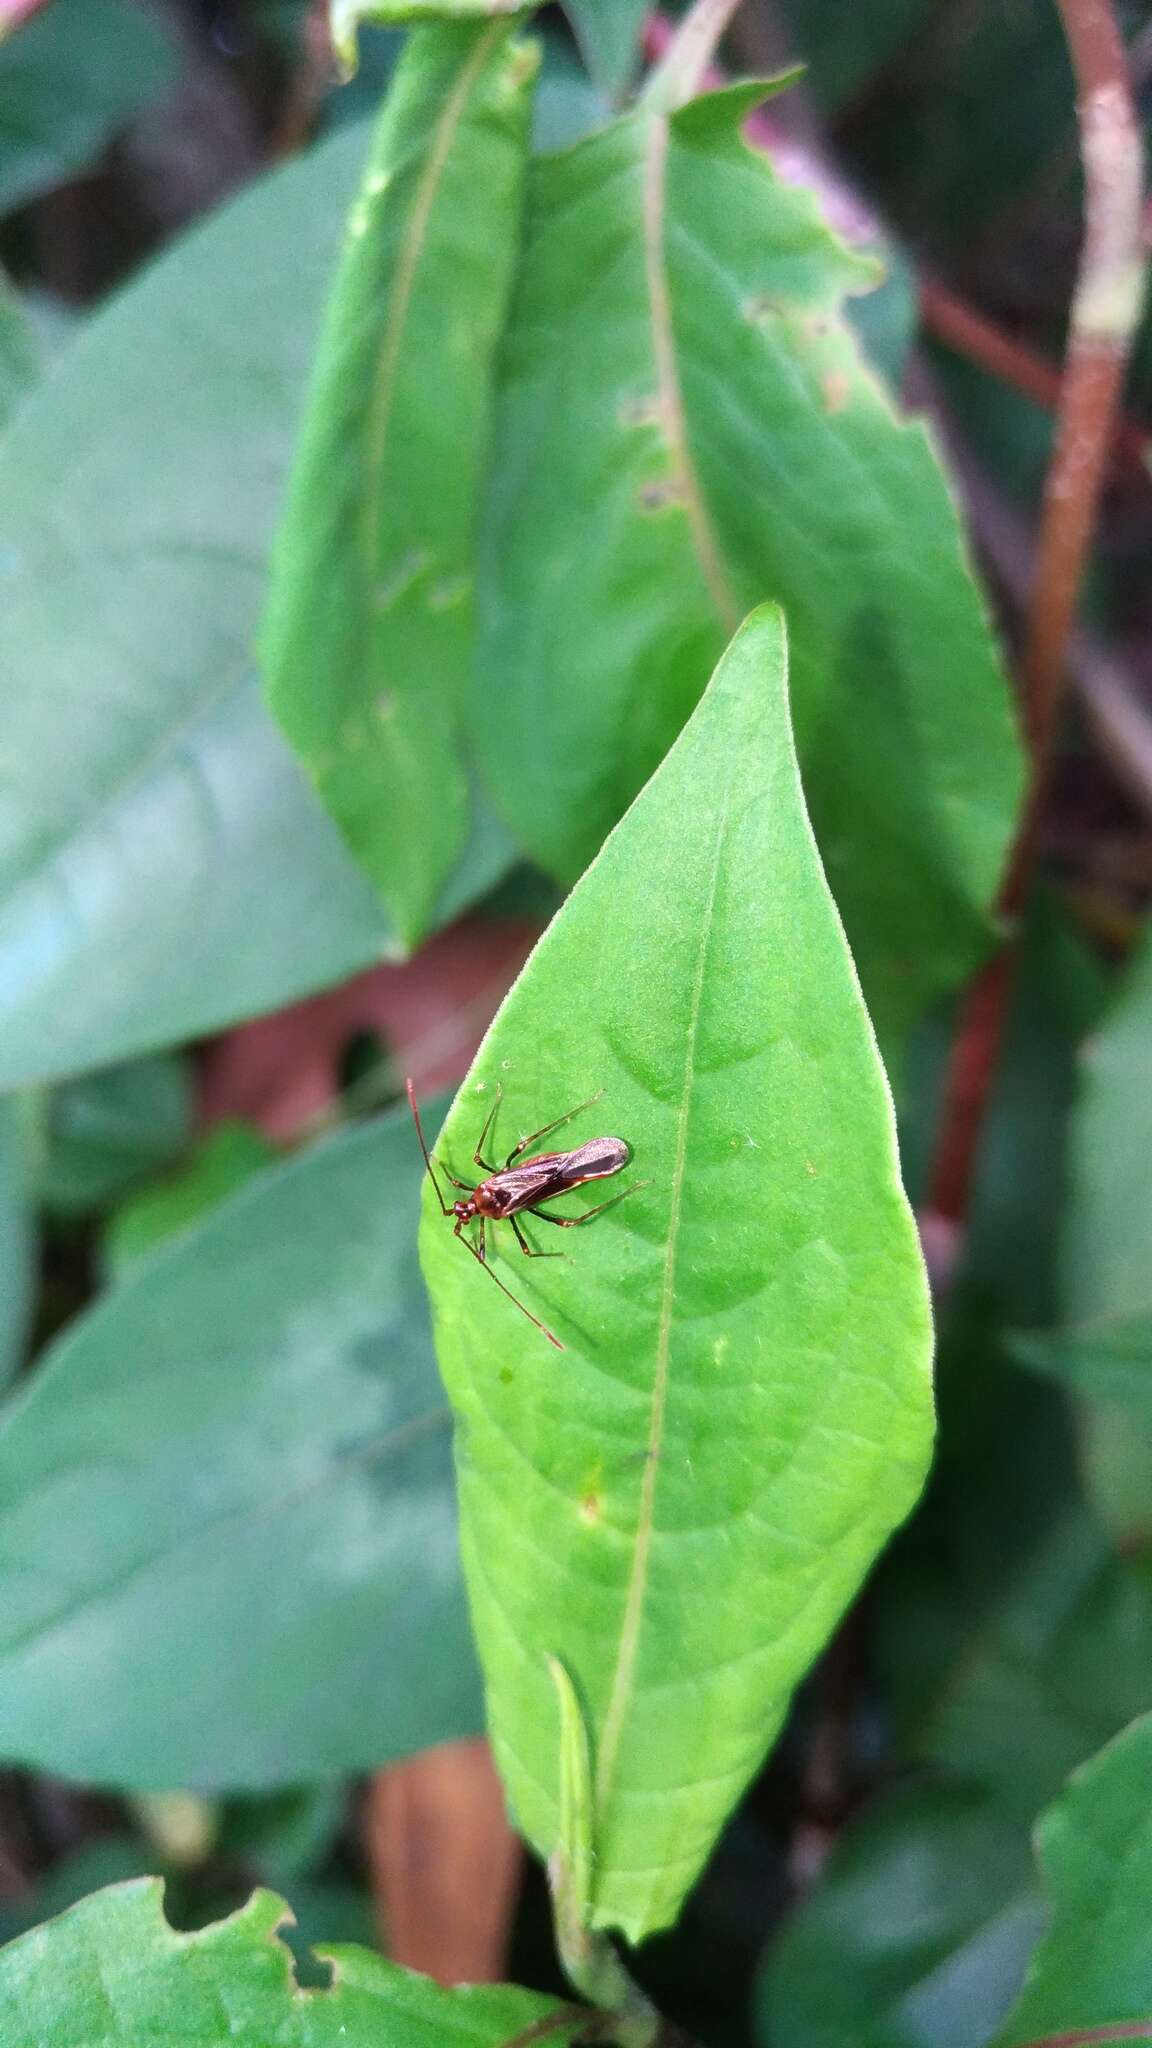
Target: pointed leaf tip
679 1509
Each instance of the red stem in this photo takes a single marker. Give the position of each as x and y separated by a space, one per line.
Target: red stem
1105 309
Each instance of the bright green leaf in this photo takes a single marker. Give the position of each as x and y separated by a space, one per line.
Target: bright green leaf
70 77
369 637
164 868
230 1155
685 429
679 1507
90 1139
227 1533
16 1242
1094 1967
113 1972
917 1933
608 32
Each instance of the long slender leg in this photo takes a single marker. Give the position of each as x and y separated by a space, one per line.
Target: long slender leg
546 1129
573 1222
477 1156
482 1261
528 1249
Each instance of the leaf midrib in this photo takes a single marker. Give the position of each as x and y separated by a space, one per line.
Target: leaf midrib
411 251
624 1672
669 394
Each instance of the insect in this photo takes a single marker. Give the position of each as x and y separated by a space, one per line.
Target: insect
510 1189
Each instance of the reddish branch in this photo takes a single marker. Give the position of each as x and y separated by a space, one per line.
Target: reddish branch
1105 308
1012 362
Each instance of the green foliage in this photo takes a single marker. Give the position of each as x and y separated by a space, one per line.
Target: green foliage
89 1140
685 428
112 1970
1093 1969
368 643
16 1242
1103 1349
347 16
249 1434
230 1155
138 489
744 1402
917 1934
18 355
609 35
70 78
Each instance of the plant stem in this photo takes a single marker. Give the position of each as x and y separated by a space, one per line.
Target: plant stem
1105 308
680 73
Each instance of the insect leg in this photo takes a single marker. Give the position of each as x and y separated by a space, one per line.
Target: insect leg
586 1215
546 1129
477 1159
481 1260
528 1249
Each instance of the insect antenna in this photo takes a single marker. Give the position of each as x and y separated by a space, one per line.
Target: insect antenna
444 1208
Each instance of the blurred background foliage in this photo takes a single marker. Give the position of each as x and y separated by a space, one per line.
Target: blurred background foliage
207 1225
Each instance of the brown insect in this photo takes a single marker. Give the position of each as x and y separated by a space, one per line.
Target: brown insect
510 1189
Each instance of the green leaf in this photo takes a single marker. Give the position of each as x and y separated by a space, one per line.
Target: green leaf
1104 1349
1094 1967
164 868
369 637
18 352
679 1508
112 1971
1048 1666
91 1138
608 32
1110 1214
347 16
227 1533
228 1157
677 367
917 1933
71 77
16 1243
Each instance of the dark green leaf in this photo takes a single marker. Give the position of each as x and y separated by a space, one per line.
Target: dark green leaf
227 1532
678 373
90 1139
113 1972
917 1934
744 1404
1104 1350
1027 1681
227 1157
1094 1968
18 352
16 1242
368 641
165 868
608 32
71 77
842 48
